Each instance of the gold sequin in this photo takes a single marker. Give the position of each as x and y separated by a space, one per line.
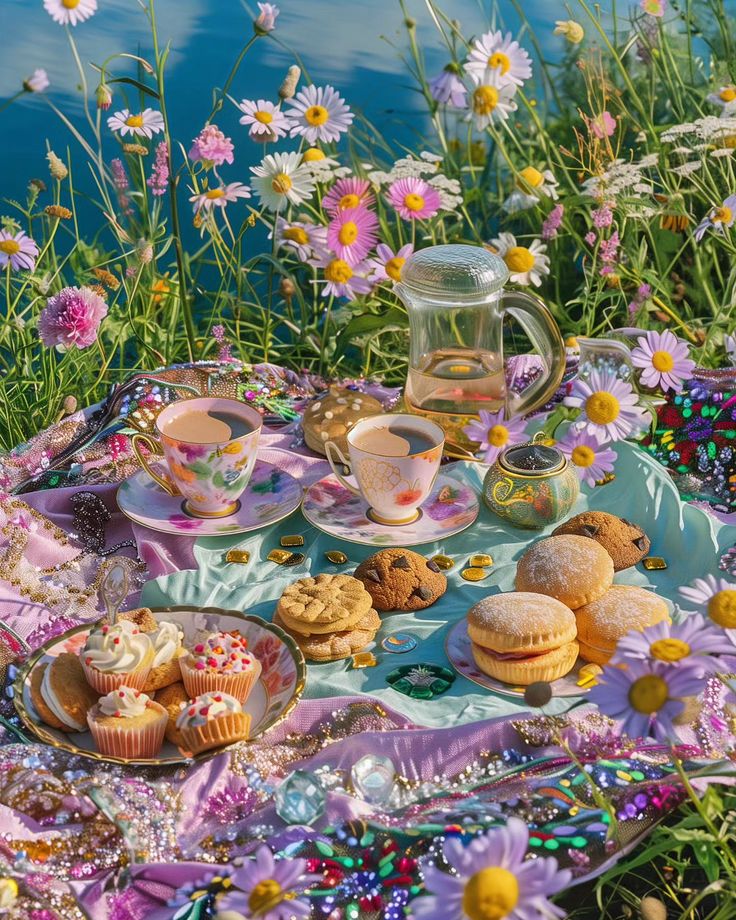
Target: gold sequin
295 539
443 562
654 563
587 675
336 557
480 560
295 559
237 555
474 574
279 556
364 660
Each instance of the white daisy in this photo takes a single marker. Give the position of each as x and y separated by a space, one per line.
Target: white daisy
282 179
531 185
608 405
307 240
219 196
725 98
70 12
322 167
145 124
266 120
713 596
500 53
319 113
491 100
526 264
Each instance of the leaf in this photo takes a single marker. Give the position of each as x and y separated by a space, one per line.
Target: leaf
138 85
369 322
200 469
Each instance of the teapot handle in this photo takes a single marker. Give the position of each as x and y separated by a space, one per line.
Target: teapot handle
538 323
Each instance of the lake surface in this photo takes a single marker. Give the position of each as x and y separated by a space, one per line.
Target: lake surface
354 46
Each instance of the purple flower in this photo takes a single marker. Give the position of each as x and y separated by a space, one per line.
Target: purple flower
37 82
602 217
693 642
492 879
71 318
159 178
646 696
183 522
211 147
589 453
268 888
17 251
553 222
494 433
413 198
448 89
609 248
266 20
664 359
609 405
719 218
590 237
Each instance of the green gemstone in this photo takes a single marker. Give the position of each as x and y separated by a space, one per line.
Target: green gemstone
686 413
535 842
579 842
324 848
551 844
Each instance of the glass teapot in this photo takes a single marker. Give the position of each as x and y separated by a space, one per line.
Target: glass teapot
456 303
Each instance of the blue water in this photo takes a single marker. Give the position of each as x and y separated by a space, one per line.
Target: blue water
340 42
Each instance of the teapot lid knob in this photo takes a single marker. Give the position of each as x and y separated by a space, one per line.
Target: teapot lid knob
455 271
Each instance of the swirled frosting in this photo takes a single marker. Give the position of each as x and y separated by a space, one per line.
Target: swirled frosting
166 642
222 652
118 648
124 703
205 707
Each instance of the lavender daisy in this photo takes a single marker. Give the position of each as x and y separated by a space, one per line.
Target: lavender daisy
719 218
714 596
319 113
219 196
608 405
589 453
494 433
352 234
501 54
664 359
388 263
268 889
307 240
694 642
413 198
448 89
492 880
18 251
341 279
267 121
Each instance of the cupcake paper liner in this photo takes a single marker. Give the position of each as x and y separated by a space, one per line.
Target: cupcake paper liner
238 685
224 729
115 740
106 681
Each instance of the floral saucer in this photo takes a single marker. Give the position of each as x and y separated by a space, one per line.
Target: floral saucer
460 656
331 507
271 495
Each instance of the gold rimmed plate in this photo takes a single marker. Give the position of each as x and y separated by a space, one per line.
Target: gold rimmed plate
274 696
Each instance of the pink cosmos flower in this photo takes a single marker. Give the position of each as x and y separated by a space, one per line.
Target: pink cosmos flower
18 251
349 192
448 89
388 265
219 196
352 234
71 318
664 359
494 433
413 198
588 453
603 125
211 147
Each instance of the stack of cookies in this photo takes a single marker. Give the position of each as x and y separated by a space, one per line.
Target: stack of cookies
329 617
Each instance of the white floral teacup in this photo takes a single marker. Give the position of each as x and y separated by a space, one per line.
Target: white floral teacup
395 460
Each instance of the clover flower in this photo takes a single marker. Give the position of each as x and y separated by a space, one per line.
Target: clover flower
18 251
319 113
211 147
71 318
664 359
609 406
590 454
500 54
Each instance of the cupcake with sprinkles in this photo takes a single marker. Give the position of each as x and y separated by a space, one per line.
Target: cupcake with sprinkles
212 720
117 655
221 662
127 723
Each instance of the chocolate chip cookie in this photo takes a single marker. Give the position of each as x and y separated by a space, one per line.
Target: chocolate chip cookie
398 579
626 543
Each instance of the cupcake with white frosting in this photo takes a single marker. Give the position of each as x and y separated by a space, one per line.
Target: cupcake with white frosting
167 649
127 723
223 662
212 720
117 655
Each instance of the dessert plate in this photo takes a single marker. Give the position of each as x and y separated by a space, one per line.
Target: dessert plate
460 656
271 494
277 692
329 506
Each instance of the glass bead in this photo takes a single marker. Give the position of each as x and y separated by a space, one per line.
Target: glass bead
474 574
373 778
300 799
480 560
336 557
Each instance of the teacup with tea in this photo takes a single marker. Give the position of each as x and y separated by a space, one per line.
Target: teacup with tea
395 460
209 448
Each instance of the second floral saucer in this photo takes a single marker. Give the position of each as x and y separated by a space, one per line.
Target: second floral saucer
331 507
271 495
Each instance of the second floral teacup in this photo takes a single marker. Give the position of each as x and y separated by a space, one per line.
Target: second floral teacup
395 460
209 446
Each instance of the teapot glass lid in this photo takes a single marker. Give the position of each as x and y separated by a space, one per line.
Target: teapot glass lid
455 272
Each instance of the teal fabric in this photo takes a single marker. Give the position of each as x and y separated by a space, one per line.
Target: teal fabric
685 536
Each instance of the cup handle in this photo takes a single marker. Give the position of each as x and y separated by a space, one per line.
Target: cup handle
155 448
329 447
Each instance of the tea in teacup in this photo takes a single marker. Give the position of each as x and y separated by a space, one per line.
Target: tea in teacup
395 440
211 426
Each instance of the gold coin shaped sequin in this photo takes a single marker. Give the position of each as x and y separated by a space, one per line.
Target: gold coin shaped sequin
336 556
443 562
588 674
294 539
279 556
364 660
237 555
480 560
295 559
474 574
654 563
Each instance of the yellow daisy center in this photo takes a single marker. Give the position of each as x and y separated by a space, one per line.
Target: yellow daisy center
663 361
348 233
134 121
485 99
9 247
70 4
214 193
316 115
531 176
414 202
297 235
669 649
602 407
722 608
338 271
348 201
499 61
582 455
490 894
498 435
265 118
728 93
281 183
648 694
265 896
393 267
312 155
519 259
722 215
